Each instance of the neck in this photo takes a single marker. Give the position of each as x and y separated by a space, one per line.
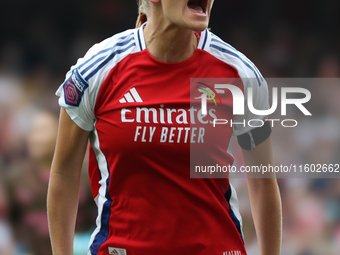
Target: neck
169 43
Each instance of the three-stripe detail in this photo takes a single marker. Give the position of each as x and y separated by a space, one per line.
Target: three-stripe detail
221 46
131 97
98 61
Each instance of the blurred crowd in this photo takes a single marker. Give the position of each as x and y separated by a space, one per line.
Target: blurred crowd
39 42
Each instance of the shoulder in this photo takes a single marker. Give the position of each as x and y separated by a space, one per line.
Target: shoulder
78 93
110 44
228 54
105 55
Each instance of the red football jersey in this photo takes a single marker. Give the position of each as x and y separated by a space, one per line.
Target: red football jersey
144 131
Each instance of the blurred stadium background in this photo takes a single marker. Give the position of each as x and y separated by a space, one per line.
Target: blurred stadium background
40 40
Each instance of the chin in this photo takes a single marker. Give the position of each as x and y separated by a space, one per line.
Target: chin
198 26
194 24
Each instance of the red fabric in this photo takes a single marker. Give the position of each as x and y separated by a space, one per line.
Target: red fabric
198 35
156 207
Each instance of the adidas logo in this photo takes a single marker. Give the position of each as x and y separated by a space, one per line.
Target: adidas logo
117 251
131 97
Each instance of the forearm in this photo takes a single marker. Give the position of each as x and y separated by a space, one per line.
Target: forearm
266 209
265 200
62 205
63 190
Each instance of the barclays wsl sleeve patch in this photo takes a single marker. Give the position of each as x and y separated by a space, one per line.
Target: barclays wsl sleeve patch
74 88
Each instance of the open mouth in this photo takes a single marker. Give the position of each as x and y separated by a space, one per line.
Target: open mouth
198 6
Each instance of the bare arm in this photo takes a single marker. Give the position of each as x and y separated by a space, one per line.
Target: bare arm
63 191
265 200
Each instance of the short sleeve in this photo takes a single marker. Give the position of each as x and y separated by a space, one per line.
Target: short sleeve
75 95
252 90
254 128
257 92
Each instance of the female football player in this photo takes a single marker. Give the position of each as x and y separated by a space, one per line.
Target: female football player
131 96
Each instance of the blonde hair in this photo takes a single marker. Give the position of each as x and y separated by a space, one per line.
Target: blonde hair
142 12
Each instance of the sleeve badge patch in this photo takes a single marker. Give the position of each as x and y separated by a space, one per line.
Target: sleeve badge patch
74 88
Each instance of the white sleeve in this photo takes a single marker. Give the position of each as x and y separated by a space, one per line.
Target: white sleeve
75 94
260 101
78 94
251 78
